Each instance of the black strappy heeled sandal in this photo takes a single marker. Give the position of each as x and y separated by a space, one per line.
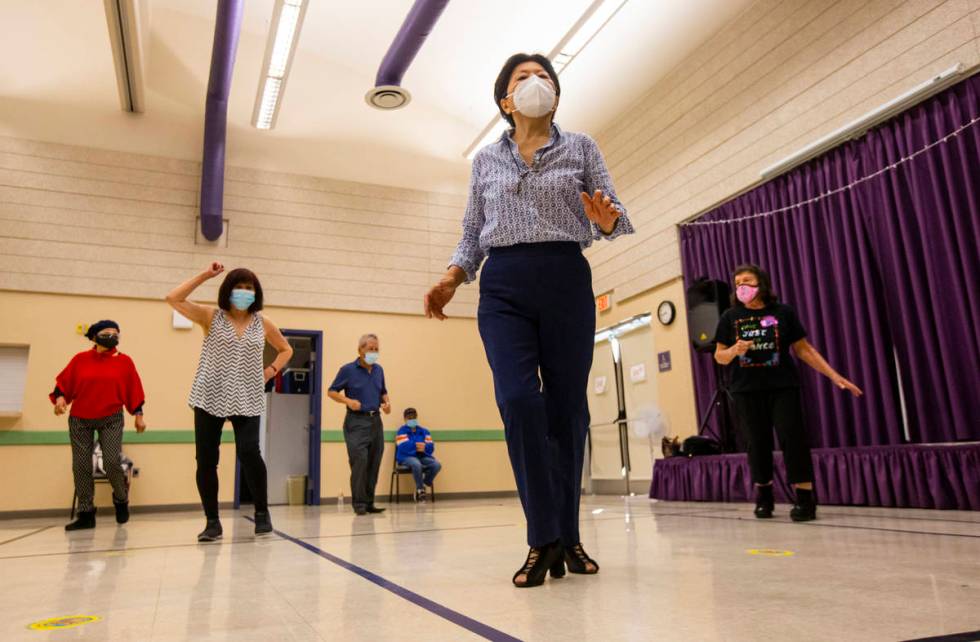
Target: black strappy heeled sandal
538 563
576 558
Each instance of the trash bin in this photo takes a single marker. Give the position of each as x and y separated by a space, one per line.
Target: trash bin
296 490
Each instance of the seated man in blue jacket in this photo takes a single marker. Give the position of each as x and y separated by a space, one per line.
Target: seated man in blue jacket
414 448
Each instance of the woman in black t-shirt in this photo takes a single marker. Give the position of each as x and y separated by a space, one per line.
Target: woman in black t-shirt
754 338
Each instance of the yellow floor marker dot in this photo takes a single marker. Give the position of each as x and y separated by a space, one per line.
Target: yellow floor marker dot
64 622
769 552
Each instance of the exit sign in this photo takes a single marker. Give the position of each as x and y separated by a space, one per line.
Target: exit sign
603 302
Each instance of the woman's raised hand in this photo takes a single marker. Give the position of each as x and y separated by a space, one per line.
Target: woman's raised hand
600 210
214 269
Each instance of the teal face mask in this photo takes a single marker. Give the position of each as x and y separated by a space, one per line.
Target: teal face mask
412 423
371 358
242 299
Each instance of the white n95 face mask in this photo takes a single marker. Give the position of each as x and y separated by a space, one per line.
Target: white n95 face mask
534 97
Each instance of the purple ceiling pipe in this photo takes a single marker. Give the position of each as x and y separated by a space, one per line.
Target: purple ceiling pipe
226 29
418 24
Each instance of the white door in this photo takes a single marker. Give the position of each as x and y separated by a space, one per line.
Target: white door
640 384
638 356
603 408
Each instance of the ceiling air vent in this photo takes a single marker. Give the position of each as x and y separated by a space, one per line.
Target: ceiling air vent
388 97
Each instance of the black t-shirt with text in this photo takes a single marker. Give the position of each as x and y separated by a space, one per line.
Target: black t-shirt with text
768 364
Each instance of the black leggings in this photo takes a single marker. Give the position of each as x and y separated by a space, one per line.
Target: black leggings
758 413
207 439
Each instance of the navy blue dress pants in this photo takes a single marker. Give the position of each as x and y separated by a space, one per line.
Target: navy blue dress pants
537 321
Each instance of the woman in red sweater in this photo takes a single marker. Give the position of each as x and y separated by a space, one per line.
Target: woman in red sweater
97 384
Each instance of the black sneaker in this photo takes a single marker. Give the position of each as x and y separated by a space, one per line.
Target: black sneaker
374 509
263 523
212 532
420 495
122 511
84 520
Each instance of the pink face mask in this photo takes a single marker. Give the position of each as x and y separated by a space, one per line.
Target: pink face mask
746 293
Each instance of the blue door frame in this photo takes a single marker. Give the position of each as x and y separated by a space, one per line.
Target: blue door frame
316 405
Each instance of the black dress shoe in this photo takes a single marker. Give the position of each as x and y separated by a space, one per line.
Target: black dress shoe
374 509
578 560
539 561
360 510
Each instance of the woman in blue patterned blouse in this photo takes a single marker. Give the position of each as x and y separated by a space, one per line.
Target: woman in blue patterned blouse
538 196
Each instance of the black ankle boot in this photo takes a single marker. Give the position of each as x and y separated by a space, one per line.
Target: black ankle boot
805 508
212 531
577 559
122 511
85 519
263 523
764 502
539 561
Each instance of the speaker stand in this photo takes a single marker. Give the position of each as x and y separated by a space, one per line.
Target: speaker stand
721 392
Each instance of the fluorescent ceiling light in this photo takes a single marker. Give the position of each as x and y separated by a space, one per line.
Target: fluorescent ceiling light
591 23
287 19
124 21
623 327
597 16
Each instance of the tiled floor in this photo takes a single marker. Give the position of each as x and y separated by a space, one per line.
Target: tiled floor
670 571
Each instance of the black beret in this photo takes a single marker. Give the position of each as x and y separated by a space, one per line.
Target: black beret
98 327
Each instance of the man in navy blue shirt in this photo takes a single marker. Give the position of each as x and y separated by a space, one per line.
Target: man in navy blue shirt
360 385
414 448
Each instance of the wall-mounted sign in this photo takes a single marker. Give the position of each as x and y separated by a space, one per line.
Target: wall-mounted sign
638 373
603 302
600 385
663 361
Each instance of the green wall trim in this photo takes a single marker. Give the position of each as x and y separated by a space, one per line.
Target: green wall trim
337 436
60 437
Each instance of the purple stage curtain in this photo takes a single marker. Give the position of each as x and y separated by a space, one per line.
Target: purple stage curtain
886 269
923 225
910 476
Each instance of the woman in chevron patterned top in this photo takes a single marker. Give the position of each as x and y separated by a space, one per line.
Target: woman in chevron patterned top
230 384
538 196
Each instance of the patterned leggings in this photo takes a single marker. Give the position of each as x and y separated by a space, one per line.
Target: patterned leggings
82 433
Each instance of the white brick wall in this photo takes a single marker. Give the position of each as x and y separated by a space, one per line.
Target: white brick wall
96 222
